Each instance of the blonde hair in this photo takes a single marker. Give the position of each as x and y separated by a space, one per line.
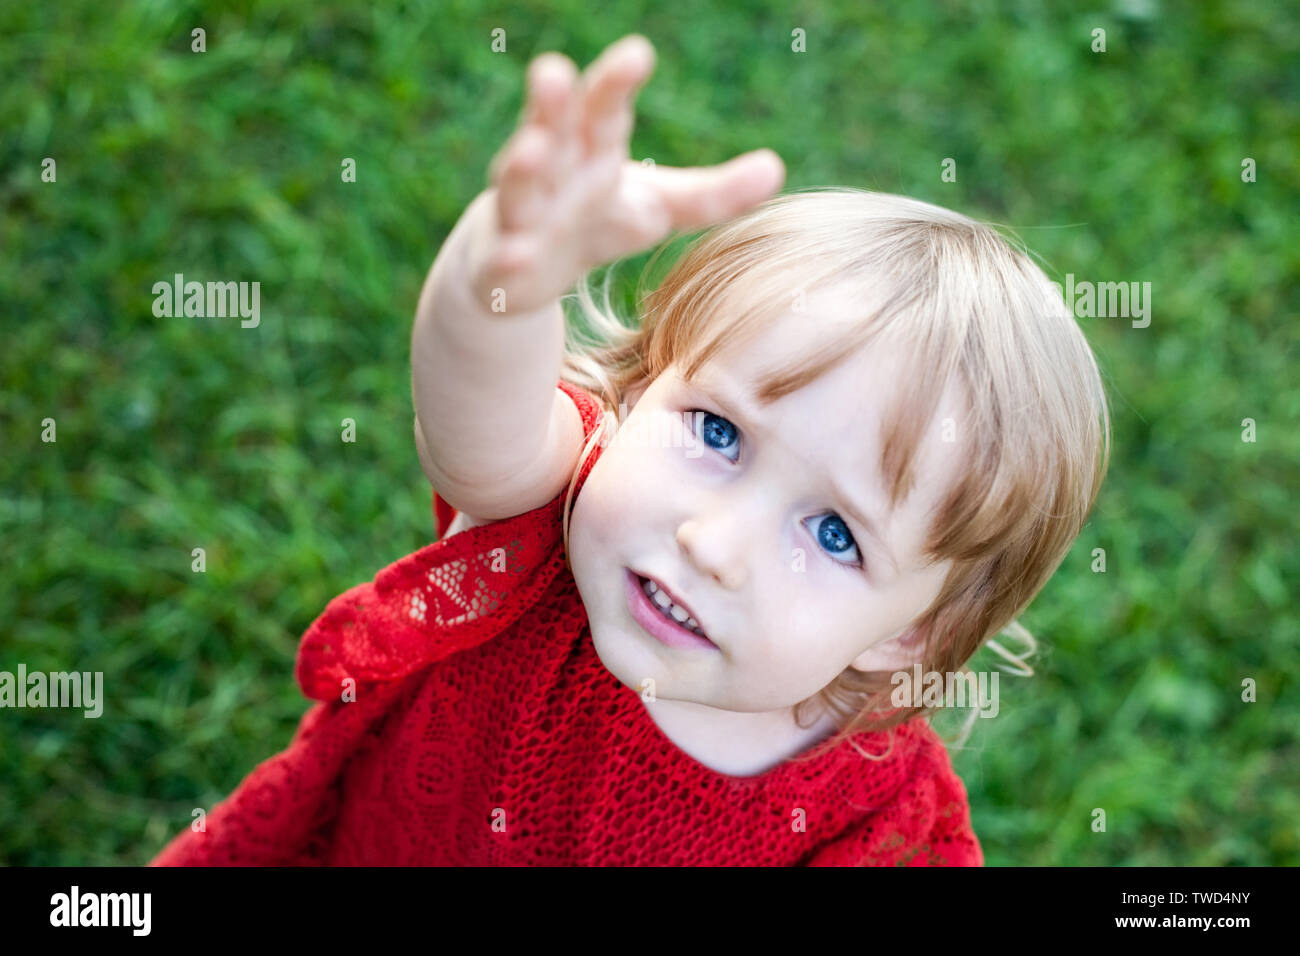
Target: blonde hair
968 306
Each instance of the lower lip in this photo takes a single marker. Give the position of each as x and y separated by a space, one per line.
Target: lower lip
648 616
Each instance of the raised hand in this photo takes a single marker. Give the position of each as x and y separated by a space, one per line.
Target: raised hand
567 196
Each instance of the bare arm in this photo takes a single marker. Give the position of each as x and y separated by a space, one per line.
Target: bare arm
495 436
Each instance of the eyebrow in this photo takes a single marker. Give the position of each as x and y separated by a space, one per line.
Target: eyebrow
747 412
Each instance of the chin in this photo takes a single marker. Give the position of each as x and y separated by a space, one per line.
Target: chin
619 658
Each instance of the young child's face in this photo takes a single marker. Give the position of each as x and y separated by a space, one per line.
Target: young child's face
739 518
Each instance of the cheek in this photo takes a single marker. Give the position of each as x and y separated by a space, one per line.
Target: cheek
809 617
800 642
605 510
628 478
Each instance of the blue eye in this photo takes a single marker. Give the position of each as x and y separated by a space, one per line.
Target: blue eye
834 535
715 431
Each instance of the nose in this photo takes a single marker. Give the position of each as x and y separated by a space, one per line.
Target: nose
715 549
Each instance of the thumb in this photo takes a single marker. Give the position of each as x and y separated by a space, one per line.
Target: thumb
697 196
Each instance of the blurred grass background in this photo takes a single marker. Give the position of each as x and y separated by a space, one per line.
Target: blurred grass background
177 433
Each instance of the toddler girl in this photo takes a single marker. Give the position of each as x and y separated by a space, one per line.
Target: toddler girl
681 562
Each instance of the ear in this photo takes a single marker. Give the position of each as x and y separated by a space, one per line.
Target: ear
896 653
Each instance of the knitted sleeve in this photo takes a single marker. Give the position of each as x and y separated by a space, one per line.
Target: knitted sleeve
283 812
452 595
355 660
926 823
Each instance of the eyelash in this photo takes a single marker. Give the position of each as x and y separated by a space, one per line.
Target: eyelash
698 415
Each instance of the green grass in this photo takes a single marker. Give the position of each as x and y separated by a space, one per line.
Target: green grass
182 433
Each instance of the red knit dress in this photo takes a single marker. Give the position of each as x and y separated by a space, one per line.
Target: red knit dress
464 718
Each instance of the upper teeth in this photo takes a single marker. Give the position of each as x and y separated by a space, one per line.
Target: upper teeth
675 611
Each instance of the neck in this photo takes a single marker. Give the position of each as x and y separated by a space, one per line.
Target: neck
737 743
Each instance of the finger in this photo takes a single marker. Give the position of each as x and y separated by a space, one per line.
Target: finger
515 255
520 178
609 90
700 196
507 270
540 90
555 110
504 155
551 79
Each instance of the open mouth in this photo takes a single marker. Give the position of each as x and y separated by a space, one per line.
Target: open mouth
664 618
669 608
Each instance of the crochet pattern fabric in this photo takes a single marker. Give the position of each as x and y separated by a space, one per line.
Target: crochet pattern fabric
486 731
